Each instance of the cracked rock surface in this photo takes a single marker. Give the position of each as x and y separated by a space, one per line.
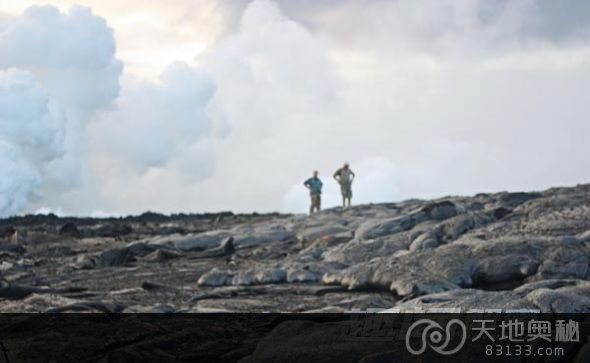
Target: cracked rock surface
502 250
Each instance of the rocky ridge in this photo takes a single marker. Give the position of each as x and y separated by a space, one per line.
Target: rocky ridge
503 250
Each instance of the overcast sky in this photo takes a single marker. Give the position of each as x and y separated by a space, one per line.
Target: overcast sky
115 107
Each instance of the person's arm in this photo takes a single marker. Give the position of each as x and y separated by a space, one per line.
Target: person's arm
306 183
353 176
337 174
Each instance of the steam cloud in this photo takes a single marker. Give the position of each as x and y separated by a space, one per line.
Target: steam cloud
158 121
31 135
59 69
422 98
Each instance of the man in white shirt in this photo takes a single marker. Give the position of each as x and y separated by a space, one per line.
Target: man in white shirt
344 176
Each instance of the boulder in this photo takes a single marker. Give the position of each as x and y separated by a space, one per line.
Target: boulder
216 277
255 235
358 251
115 257
548 296
374 229
466 263
260 276
69 229
192 242
440 210
323 231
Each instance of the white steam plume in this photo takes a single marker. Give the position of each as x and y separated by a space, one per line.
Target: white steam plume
155 122
31 136
70 57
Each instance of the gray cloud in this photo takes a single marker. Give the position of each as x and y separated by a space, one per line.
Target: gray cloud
457 96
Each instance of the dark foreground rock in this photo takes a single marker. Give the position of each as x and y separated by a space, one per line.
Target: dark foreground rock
259 338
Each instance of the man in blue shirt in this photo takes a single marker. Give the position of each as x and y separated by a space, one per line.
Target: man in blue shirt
314 184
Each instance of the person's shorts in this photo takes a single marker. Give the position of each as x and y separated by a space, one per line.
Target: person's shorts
316 200
346 190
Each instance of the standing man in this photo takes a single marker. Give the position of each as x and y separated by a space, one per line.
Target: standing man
314 184
344 176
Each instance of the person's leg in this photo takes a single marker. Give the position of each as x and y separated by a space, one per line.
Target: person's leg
345 195
315 203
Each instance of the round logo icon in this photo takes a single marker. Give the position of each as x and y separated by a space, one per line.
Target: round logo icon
435 337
